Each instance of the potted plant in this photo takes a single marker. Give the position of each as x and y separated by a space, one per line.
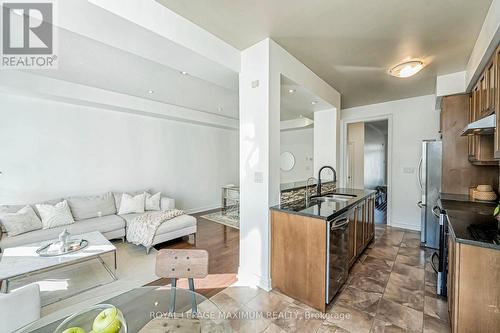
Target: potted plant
496 214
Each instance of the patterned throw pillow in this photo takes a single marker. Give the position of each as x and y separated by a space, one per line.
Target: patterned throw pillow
22 221
130 204
55 215
153 201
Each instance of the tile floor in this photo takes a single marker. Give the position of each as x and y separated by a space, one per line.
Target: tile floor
391 288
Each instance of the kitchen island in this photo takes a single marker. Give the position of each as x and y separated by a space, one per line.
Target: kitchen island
316 241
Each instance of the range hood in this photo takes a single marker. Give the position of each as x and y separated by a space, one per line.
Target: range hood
485 125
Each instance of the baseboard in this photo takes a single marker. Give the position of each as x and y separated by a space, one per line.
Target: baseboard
401 225
202 209
253 280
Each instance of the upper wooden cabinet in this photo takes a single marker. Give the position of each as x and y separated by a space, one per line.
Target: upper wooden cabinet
484 101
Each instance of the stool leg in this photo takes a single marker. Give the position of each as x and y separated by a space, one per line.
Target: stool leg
173 291
191 287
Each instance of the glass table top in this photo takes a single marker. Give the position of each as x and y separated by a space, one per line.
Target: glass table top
141 305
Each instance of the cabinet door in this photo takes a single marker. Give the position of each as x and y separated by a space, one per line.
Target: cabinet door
367 220
371 228
360 237
352 237
492 84
483 87
496 62
472 153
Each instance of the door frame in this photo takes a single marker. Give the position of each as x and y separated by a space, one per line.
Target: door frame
343 153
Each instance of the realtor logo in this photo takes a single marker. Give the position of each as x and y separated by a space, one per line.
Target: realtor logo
28 35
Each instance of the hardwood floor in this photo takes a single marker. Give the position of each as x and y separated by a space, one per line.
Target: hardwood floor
223 250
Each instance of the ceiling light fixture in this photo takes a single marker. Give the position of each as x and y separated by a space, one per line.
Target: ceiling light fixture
406 69
314 102
150 91
184 73
291 91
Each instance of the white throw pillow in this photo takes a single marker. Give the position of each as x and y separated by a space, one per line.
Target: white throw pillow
55 215
24 220
130 204
153 201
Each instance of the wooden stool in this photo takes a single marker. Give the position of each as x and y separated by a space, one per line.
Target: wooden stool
176 264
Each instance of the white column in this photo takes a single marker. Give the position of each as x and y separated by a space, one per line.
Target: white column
259 90
325 141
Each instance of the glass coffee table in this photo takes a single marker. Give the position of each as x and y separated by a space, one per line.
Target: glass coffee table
142 305
21 261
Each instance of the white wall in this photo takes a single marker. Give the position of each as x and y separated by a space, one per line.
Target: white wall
262 66
300 144
410 121
51 149
326 134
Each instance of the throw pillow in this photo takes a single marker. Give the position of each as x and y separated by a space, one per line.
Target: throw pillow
130 204
118 196
92 206
153 201
22 221
55 215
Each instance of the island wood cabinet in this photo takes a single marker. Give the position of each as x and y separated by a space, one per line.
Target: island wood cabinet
299 251
473 289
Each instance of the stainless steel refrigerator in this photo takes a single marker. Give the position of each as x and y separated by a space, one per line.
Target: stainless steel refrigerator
429 179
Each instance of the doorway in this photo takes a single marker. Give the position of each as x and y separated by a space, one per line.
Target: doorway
366 161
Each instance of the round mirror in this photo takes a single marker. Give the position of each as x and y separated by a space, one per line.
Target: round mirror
287 161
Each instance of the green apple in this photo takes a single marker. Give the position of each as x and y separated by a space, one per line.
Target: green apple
107 322
74 330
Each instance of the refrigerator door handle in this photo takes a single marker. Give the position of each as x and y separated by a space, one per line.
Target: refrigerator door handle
419 174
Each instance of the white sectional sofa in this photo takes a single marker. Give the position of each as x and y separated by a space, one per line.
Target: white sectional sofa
98 213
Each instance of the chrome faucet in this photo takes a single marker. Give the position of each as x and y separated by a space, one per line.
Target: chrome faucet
318 186
308 196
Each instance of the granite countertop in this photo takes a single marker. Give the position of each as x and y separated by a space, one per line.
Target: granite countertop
463 213
324 210
300 184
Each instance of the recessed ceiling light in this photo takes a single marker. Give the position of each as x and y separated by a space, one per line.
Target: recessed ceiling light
291 91
151 91
184 73
314 102
406 69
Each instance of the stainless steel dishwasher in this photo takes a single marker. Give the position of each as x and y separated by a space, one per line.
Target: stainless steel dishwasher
337 253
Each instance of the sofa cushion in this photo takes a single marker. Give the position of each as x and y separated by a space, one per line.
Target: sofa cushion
55 215
176 223
24 220
9 209
88 207
102 224
118 197
152 201
132 204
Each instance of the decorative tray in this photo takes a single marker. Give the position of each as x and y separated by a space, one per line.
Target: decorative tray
56 249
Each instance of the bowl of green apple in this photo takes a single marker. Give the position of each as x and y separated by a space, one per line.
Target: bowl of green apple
101 318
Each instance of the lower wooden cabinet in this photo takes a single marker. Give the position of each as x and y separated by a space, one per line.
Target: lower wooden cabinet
473 288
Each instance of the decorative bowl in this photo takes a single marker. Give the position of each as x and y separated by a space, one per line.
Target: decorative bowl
103 318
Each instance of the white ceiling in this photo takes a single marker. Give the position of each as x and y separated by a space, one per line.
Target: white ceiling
298 103
352 43
86 61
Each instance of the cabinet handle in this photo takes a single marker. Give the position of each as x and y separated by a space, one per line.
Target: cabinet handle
434 211
420 204
339 226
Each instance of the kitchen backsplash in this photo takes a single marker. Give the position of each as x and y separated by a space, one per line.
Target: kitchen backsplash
299 192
